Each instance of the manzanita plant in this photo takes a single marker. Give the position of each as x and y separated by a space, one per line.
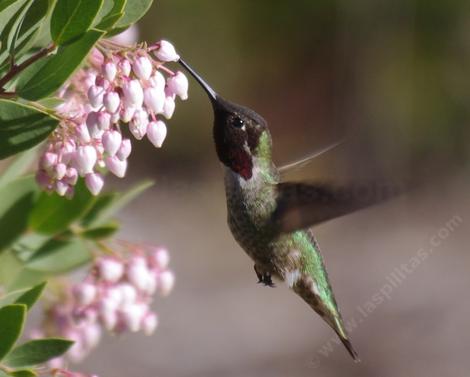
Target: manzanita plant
72 98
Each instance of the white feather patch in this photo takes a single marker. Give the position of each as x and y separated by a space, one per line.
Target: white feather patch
292 277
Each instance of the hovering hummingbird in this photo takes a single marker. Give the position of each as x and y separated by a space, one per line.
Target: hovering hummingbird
271 219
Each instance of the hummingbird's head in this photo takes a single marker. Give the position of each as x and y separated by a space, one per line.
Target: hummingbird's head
238 131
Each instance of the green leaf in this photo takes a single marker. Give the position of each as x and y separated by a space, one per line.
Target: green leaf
105 209
58 68
11 325
31 25
111 12
6 3
133 12
15 31
28 244
10 267
37 352
101 232
72 18
51 102
18 166
22 127
58 256
12 19
101 203
43 37
17 201
31 72
53 214
26 278
30 297
23 373
11 297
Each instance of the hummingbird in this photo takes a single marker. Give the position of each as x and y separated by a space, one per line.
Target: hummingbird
271 220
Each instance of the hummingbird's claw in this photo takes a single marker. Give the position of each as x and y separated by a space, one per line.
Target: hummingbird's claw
268 281
264 277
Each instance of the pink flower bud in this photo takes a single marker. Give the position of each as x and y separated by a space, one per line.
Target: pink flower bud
56 363
43 179
169 107
157 80
154 99
90 315
127 114
124 150
102 82
84 293
77 352
108 304
83 134
109 70
159 258
166 282
156 133
93 124
149 323
116 117
116 166
70 192
142 67
49 160
133 316
114 294
59 171
94 182
128 293
178 84
61 188
71 176
96 57
91 335
133 94
109 318
68 151
90 79
110 270
95 96
151 284
85 159
166 52
111 102
139 123
111 141
137 273
103 120
125 67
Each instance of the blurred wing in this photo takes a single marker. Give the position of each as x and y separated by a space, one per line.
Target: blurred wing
301 205
306 160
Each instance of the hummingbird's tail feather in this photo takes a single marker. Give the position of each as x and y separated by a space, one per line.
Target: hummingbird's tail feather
345 339
306 288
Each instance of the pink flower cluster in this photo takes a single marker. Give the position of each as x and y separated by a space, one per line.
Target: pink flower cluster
120 88
116 296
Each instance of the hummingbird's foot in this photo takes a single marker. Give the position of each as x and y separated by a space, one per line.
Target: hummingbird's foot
268 281
264 277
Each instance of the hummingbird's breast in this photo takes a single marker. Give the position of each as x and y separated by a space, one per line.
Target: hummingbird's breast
250 204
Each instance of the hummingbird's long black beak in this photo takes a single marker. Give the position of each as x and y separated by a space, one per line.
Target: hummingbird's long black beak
210 92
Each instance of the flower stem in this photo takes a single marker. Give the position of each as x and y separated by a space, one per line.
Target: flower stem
16 69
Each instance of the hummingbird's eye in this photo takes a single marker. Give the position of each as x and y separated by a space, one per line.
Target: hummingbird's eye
238 122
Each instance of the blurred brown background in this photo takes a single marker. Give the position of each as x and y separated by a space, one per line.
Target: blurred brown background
393 77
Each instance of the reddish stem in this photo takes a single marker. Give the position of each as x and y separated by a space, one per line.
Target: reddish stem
16 69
